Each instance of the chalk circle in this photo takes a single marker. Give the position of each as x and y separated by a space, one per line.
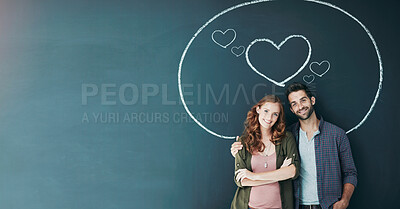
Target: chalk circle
260 1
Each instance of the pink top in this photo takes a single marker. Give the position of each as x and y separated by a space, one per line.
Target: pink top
264 196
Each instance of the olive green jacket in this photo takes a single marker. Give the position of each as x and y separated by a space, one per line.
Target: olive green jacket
287 148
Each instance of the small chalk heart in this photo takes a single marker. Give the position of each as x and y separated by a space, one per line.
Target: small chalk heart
237 50
224 38
323 67
308 78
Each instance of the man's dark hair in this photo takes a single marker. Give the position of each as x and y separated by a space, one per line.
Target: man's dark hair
297 87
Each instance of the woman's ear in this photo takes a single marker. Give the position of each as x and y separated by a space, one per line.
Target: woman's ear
258 109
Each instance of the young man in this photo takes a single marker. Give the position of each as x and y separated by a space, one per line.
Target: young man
328 175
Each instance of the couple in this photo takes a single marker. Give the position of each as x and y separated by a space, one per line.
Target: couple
267 158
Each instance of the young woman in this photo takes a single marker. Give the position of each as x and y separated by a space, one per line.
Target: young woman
264 169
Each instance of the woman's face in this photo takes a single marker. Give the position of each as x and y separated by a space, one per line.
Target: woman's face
268 114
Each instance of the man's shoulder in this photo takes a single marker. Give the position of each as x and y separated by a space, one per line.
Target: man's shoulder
333 129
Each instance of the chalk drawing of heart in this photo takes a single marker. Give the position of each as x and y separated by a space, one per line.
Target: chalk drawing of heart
320 67
308 78
237 50
281 83
218 34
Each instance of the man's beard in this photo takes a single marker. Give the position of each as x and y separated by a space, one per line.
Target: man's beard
310 112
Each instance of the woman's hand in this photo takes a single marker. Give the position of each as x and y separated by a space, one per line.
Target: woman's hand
244 173
286 162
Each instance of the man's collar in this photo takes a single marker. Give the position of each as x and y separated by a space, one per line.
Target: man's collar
321 122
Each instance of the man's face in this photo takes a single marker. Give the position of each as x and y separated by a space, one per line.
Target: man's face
301 105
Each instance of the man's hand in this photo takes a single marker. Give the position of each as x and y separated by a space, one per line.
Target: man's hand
287 162
236 146
347 193
342 204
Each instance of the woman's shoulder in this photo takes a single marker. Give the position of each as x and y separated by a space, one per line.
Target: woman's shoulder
288 137
288 134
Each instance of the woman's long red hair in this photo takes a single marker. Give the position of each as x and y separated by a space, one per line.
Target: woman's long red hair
252 132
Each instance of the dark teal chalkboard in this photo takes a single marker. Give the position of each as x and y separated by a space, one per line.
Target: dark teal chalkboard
93 117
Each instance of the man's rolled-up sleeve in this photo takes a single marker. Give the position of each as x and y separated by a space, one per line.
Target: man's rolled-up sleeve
348 167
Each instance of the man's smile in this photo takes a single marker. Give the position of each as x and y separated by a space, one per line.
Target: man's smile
302 111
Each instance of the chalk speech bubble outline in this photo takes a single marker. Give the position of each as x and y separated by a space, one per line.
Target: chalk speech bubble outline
260 1
282 83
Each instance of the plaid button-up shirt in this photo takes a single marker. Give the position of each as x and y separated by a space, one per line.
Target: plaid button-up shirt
334 163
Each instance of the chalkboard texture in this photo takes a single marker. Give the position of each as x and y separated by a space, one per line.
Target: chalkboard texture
134 104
